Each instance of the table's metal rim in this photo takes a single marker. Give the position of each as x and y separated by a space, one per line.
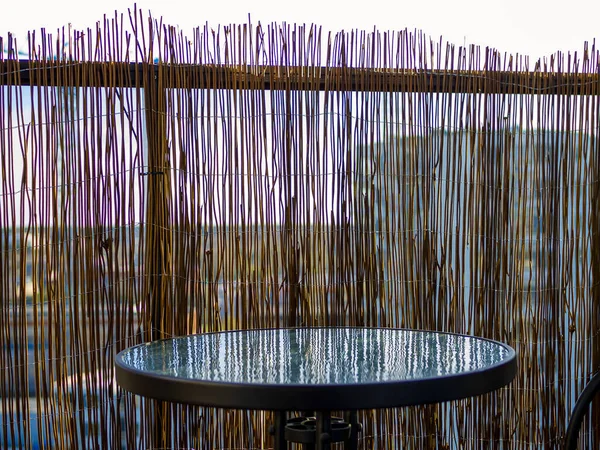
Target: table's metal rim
290 396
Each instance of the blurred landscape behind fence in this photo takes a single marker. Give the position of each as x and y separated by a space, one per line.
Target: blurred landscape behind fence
154 184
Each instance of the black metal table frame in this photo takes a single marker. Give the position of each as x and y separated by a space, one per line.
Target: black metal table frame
323 436
320 399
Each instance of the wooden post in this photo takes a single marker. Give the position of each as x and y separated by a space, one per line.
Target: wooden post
158 242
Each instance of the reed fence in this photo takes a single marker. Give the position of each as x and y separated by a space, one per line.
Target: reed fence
156 184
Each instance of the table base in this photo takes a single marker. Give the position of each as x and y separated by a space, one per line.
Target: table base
316 431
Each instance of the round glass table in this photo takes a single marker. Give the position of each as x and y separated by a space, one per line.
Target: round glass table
317 370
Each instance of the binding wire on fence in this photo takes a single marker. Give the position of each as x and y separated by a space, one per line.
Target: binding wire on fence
155 184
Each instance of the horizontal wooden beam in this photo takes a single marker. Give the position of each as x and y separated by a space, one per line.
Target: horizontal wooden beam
119 74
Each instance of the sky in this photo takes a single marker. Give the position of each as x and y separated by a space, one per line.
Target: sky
537 28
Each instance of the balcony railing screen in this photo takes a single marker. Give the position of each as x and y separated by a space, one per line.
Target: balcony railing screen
153 184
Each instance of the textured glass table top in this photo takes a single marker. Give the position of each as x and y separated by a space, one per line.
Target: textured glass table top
315 356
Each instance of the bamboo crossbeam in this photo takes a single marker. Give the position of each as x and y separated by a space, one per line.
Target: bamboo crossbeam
294 78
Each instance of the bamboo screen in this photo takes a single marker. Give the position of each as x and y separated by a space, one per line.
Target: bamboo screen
154 184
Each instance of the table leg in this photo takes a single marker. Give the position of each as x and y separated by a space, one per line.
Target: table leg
352 418
280 421
323 430
308 414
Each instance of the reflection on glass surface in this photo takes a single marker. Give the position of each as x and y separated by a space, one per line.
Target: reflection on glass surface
316 356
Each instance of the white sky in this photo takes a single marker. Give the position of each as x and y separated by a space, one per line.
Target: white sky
536 28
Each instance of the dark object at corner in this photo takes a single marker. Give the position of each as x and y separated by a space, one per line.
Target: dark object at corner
581 408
